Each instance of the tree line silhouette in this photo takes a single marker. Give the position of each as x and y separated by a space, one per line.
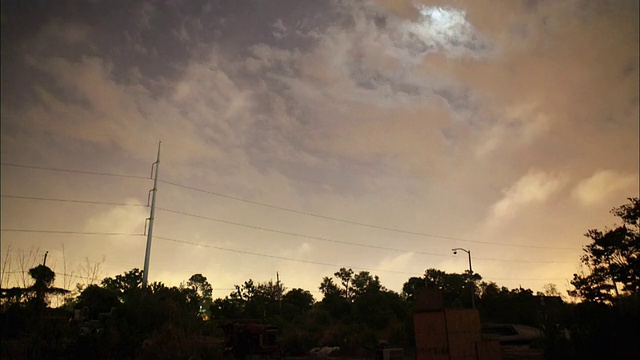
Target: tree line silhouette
118 318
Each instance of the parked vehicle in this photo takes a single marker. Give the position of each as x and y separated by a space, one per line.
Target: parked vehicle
511 334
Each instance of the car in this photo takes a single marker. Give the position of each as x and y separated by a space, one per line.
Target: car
511 334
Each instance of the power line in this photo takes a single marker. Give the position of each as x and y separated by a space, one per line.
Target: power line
74 171
346 242
70 200
361 223
295 234
69 232
278 257
56 272
269 230
282 208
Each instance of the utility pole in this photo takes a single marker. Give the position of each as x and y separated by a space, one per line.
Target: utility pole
279 292
147 254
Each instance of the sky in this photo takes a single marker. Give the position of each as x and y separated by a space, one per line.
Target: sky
299 137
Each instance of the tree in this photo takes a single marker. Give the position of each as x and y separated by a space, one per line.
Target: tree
374 305
456 288
410 287
299 298
97 299
226 309
296 301
353 284
346 277
551 289
200 284
363 283
333 300
38 293
124 283
592 284
612 258
328 287
245 292
201 291
250 300
43 278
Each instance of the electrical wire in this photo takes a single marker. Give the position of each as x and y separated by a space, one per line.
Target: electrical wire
271 230
295 234
323 263
278 257
57 273
346 242
361 223
252 226
70 200
290 210
74 171
69 232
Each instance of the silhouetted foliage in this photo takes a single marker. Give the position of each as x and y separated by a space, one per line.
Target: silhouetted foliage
97 300
125 283
604 331
226 309
329 287
121 319
456 288
36 295
201 292
251 301
296 302
612 258
356 313
346 278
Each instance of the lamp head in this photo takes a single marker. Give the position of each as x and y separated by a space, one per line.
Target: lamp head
455 252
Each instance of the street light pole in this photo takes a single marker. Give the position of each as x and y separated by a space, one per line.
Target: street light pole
473 287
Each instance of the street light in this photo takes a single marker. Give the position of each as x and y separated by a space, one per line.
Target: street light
455 251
